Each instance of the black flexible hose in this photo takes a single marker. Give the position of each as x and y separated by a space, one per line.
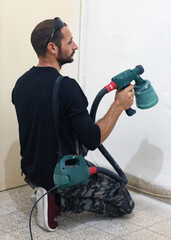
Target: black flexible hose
121 175
96 102
109 173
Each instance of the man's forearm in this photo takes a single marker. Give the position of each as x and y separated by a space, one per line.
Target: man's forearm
107 123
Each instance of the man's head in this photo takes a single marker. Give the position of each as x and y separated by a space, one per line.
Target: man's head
53 37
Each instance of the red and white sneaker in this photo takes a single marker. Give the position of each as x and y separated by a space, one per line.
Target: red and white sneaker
47 210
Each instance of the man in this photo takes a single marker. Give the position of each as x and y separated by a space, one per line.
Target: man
32 97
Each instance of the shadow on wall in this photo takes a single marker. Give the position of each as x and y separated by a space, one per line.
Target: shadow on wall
13 176
147 162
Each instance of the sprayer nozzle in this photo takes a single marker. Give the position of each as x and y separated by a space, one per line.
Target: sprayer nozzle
140 68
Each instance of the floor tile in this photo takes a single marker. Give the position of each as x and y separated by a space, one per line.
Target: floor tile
117 227
6 236
24 191
144 234
12 222
163 228
86 217
90 233
69 225
144 218
38 234
160 208
3 212
12 206
4 195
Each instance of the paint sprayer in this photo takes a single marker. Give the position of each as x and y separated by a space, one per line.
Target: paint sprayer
72 169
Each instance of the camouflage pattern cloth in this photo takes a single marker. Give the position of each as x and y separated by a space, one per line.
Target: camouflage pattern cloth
101 195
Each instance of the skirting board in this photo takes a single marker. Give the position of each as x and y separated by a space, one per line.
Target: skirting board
141 186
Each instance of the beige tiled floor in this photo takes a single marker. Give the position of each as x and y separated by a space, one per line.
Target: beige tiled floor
151 220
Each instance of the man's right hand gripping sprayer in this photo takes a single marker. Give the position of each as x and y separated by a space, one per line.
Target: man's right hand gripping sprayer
145 95
72 170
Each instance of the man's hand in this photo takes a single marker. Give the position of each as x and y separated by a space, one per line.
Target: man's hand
125 98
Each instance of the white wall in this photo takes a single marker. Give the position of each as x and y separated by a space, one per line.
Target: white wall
17 20
117 35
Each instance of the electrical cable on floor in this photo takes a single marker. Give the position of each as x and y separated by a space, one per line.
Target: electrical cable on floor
149 193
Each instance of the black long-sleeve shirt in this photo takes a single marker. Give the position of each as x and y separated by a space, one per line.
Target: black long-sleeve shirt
32 97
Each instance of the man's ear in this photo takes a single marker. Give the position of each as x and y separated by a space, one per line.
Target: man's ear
52 48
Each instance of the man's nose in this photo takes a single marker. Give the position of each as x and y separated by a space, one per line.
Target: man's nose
75 47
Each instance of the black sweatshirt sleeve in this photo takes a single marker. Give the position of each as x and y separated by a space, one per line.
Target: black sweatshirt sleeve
87 132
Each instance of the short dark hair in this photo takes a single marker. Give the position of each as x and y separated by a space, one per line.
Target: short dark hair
40 36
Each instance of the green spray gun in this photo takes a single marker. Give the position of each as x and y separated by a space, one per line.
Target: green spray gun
144 92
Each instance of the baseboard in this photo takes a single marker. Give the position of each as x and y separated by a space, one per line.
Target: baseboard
139 185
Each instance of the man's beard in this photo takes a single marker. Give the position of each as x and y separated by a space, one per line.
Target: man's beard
63 58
